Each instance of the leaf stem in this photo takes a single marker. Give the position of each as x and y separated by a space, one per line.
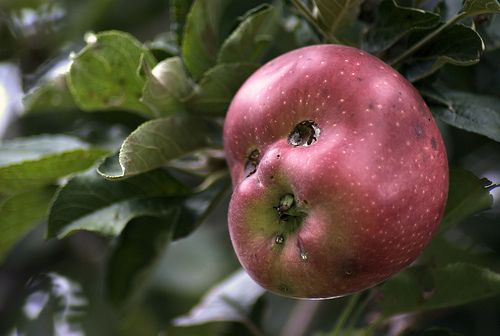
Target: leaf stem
312 20
426 39
346 312
357 313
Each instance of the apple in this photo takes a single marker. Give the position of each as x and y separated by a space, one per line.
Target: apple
339 171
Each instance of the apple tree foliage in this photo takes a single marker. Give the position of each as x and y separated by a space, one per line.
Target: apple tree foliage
124 142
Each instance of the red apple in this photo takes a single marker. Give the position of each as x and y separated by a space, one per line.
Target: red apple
340 174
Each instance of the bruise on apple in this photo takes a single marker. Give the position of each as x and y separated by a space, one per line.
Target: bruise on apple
350 178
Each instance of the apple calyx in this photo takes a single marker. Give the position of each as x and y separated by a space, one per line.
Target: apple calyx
291 217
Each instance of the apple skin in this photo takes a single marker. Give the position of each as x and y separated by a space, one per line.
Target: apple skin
368 192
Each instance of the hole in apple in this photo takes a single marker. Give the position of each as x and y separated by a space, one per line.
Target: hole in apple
279 239
252 162
304 134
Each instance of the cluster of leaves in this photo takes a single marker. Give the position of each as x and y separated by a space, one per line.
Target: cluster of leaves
146 186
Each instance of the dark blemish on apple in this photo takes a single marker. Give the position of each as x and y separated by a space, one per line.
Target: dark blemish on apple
325 92
370 106
252 162
349 267
418 130
284 288
359 79
433 143
304 134
278 156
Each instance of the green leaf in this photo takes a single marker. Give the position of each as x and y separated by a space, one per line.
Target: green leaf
178 10
477 7
338 16
458 45
471 112
443 251
394 23
51 95
106 73
248 42
19 213
144 238
467 195
231 300
28 163
90 202
197 207
135 251
216 89
200 43
156 142
166 87
424 288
